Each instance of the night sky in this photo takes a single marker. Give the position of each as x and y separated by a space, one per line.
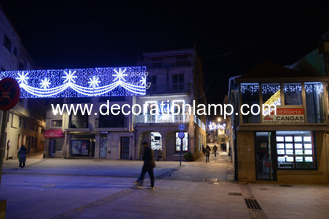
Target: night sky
231 37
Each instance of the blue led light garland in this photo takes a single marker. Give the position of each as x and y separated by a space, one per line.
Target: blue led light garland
89 82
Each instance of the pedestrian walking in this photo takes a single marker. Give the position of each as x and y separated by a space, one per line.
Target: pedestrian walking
215 150
21 154
207 154
148 166
208 148
203 150
159 155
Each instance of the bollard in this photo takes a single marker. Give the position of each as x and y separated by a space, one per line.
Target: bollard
3 204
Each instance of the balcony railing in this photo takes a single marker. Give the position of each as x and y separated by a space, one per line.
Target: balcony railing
148 118
169 88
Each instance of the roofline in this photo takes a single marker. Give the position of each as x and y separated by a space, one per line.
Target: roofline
168 51
11 23
288 79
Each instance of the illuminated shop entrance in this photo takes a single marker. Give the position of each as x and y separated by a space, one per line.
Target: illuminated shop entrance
283 150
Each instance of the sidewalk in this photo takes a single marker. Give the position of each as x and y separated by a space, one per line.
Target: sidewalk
60 188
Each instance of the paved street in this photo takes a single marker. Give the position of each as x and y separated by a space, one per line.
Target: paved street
84 188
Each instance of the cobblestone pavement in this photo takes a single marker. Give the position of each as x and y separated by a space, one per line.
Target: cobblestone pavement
61 188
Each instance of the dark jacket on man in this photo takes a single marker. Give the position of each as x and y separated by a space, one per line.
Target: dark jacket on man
22 154
148 158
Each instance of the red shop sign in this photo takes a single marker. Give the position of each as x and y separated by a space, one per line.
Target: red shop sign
54 133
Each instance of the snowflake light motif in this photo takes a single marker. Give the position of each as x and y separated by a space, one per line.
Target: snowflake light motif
119 75
69 77
94 82
45 83
22 78
143 81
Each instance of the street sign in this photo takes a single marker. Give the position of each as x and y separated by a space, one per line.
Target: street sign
9 93
181 135
181 127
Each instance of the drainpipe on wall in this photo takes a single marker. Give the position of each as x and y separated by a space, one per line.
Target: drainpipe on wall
325 137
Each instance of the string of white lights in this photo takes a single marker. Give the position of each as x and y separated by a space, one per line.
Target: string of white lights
124 81
81 90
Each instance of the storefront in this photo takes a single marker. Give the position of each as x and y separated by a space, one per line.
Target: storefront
55 138
285 141
82 146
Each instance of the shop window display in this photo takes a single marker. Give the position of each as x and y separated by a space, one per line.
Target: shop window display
185 142
156 141
80 147
295 150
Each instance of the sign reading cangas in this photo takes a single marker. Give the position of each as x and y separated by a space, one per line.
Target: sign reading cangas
88 82
285 115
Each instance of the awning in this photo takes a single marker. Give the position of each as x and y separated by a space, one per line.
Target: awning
54 133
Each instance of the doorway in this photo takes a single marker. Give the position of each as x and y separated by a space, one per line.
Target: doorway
124 148
52 147
103 147
265 171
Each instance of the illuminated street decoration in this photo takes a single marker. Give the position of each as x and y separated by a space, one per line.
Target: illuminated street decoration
318 88
292 88
251 88
213 126
90 82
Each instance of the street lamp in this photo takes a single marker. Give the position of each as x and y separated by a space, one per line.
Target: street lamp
219 119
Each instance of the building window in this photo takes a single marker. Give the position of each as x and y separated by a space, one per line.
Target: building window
295 150
178 82
56 123
14 121
7 43
250 96
15 52
79 120
154 83
292 94
20 122
156 141
25 124
111 121
315 102
178 142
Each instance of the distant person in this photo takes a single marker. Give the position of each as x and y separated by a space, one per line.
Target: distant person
21 154
215 150
160 153
207 154
148 166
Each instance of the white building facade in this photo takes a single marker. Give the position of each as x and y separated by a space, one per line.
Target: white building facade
25 123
